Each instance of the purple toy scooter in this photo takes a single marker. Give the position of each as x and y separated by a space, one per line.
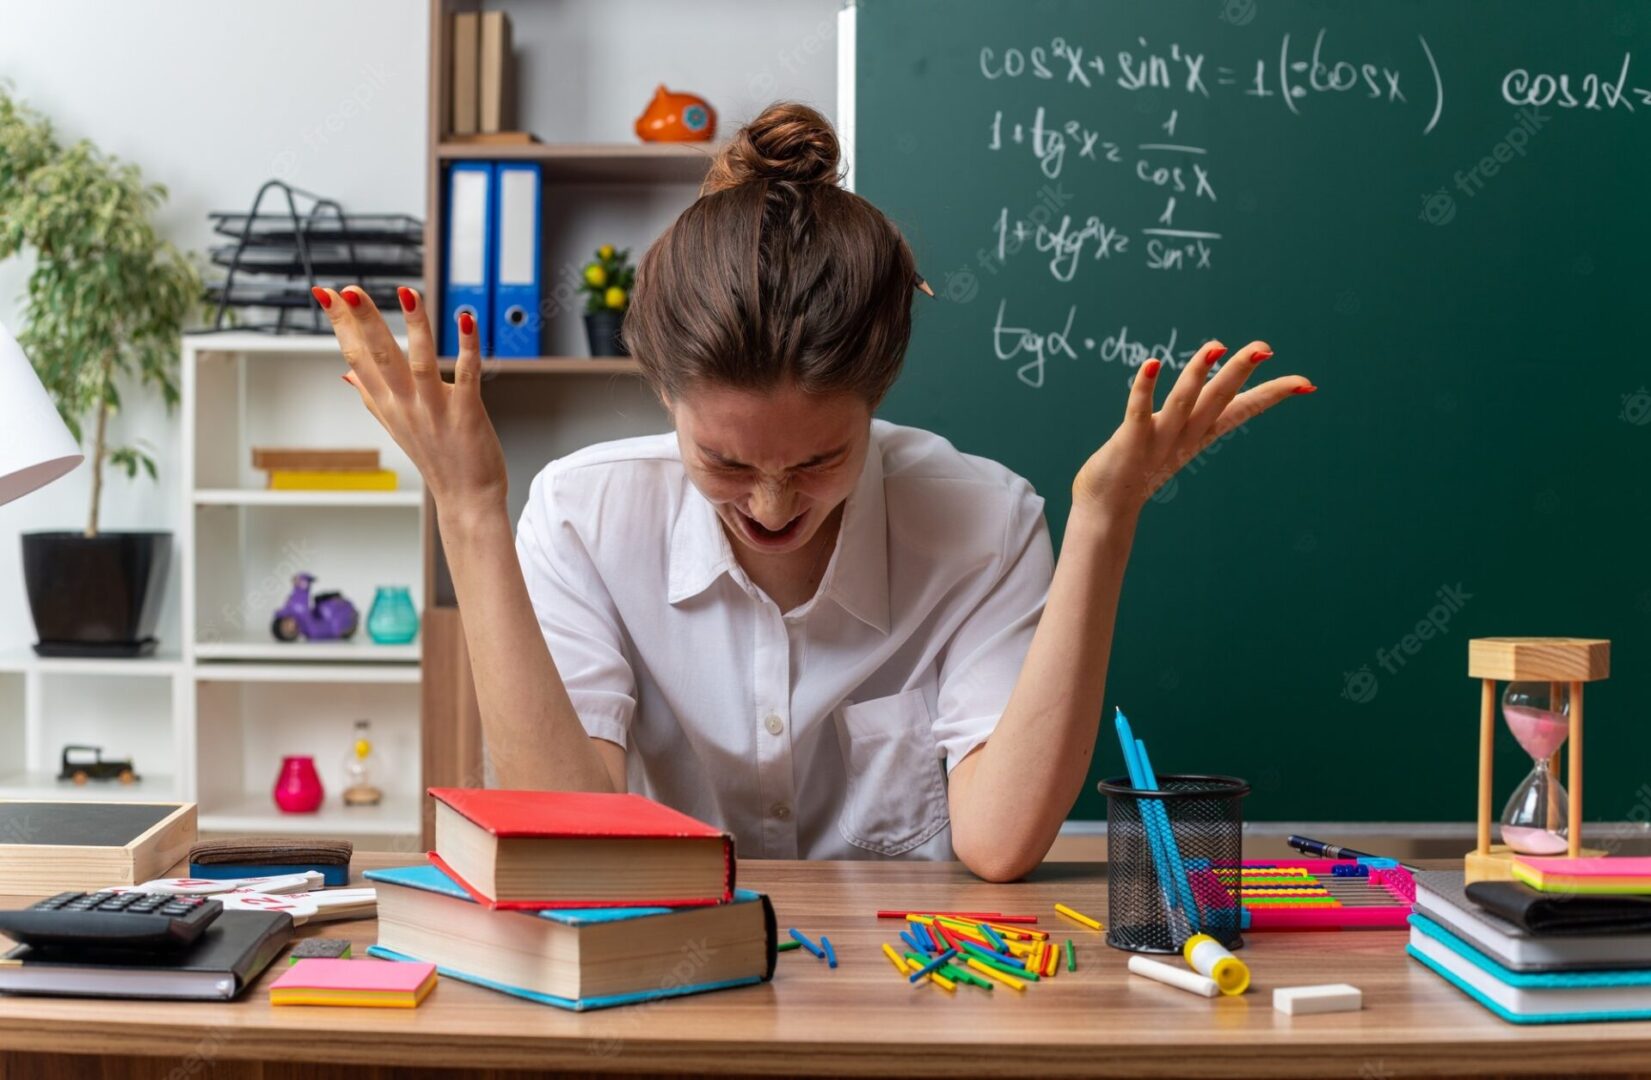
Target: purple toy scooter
329 617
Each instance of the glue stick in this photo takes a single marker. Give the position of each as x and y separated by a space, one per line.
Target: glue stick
1211 959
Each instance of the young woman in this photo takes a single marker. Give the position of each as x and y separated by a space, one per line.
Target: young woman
831 635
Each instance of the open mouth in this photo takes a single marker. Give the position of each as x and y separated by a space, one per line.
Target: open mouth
763 536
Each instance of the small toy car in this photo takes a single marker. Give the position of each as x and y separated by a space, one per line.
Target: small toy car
78 768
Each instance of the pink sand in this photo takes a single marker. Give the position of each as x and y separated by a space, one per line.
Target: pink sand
1539 731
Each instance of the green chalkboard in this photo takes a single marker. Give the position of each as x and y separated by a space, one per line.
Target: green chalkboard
1438 213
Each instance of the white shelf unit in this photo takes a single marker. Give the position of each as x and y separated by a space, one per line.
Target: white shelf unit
252 699
209 718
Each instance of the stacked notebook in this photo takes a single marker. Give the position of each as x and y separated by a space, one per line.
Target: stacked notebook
576 900
1534 956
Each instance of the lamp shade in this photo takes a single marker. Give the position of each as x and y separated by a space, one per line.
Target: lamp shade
35 445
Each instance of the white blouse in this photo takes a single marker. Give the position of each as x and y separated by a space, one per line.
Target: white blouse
825 732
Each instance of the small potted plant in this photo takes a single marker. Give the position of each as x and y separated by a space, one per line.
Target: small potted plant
104 309
607 286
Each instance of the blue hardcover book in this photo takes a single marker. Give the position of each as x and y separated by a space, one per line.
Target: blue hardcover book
1524 997
573 958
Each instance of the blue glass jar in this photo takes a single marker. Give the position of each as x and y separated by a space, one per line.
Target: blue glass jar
392 621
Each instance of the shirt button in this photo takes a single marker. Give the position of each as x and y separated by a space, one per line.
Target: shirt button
781 811
774 724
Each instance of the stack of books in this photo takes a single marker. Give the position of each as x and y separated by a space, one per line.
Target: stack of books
1562 944
576 900
315 469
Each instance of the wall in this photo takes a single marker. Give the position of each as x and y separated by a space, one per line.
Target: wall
211 99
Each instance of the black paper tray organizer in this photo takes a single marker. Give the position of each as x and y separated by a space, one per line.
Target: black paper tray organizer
300 240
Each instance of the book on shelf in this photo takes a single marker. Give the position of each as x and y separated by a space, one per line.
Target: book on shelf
332 480
539 849
281 457
573 958
50 847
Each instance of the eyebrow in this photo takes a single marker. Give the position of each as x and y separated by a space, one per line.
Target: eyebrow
818 459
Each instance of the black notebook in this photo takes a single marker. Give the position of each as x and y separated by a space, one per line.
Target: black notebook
229 956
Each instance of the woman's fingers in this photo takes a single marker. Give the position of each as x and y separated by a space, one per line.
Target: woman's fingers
349 340
1253 402
467 372
1183 396
1221 390
377 341
421 345
1139 405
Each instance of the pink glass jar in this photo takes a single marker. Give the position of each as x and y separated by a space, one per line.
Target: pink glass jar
298 786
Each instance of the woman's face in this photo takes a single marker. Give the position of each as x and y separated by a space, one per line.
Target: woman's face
774 463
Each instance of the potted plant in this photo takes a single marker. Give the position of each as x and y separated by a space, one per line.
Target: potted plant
105 305
607 287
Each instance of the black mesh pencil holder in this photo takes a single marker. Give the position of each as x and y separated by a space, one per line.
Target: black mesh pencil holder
1173 861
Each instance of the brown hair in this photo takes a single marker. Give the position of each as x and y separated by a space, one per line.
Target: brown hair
775 274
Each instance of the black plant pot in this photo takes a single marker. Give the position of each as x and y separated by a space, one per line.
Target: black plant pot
98 595
602 328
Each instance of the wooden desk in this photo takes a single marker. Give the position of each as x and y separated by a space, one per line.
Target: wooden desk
859 1020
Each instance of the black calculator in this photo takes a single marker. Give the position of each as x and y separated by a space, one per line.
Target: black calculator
123 920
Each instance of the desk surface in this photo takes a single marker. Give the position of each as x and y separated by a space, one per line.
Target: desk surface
862 1020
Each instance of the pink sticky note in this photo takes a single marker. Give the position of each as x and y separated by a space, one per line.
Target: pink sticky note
325 974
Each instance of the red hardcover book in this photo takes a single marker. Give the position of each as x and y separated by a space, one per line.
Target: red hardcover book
526 850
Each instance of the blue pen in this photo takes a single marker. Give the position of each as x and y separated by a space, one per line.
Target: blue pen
802 940
830 953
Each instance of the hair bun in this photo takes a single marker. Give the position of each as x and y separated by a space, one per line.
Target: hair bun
787 142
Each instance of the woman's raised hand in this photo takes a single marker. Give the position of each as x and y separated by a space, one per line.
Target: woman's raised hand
443 427
1150 446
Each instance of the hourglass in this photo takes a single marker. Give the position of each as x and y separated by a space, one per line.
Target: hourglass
1538 714
1543 709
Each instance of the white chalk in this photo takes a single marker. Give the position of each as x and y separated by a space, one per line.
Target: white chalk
1303 1000
1180 978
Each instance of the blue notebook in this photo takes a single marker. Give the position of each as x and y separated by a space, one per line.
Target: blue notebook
429 878
1524 997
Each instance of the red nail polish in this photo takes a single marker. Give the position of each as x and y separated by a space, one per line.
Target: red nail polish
351 298
408 300
321 297
467 324
1305 390
1150 368
1258 356
346 378
1215 354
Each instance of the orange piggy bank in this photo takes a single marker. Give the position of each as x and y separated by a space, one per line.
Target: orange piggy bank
677 118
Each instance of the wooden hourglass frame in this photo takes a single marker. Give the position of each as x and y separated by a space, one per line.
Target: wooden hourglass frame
1557 661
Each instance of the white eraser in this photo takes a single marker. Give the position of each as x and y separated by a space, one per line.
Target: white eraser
1303 1000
